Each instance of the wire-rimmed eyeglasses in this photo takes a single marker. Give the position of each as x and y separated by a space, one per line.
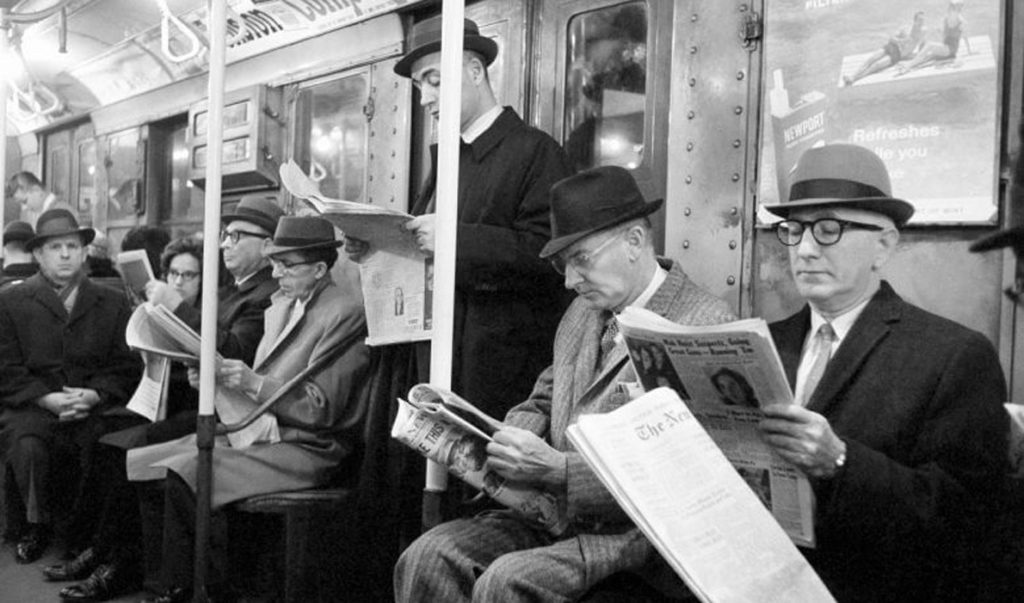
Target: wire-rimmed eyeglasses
581 261
826 231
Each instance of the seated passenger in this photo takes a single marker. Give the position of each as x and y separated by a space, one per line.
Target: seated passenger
314 330
111 551
604 246
898 418
63 361
18 261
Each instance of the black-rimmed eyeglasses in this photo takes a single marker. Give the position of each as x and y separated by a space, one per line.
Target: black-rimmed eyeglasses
234 235
826 231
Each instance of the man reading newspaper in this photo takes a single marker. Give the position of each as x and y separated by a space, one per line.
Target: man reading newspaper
602 243
899 418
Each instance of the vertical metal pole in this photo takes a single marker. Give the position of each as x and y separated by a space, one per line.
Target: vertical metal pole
205 424
4 50
449 131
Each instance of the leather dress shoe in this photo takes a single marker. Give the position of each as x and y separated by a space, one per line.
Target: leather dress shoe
76 569
32 545
106 582
175 594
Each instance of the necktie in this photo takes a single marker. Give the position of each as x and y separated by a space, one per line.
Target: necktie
821 351
608 333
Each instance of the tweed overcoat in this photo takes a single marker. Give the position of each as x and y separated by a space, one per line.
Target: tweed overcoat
918 401
320 419
572 386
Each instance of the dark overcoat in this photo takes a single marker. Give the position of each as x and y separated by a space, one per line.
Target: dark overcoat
508 301
918 401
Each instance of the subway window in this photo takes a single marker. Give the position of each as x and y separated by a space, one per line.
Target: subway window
606 86
331 135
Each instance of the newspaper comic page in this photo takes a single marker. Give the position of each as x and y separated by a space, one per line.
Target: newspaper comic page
673 481
726 373
449 430
397 278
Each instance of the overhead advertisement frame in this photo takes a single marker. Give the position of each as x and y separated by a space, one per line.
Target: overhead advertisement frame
917 82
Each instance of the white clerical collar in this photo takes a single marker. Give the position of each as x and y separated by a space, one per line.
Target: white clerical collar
660 274
480 124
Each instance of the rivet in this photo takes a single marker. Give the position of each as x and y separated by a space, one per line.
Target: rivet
687 211
693 17
686 244
394 108
736 143
693 50
734 211
743 8
392 175
732 244
689 179
739 75
371 156
693 82
738 110
731 280
394 130
689 146
370 177
392 153
690 115
735 177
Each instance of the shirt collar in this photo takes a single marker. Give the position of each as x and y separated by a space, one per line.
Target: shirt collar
480 124
840 324
660 274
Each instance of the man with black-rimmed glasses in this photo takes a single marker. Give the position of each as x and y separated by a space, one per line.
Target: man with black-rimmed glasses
898 416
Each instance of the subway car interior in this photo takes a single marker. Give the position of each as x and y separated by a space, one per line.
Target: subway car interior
707 104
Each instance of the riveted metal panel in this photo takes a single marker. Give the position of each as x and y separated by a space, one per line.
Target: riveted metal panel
390 136
713 111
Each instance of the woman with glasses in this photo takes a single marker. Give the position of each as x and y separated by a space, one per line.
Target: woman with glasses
181 263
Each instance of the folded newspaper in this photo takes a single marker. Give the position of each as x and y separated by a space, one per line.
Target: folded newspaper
160 335
727 372
397 278
667 474
449 430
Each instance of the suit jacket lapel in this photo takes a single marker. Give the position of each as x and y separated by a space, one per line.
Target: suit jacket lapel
585 363
87 297
871 328
789 339
46 296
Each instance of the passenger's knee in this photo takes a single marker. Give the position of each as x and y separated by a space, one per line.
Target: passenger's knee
503 577
27 449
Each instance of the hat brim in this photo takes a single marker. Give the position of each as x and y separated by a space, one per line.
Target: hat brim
1010 237
556 245
899 210
272 249
484 45
266 224
87 234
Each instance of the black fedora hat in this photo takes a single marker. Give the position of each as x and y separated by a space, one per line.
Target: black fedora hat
18 231
296 233
592 201
842 175
261 210
58 222
425 38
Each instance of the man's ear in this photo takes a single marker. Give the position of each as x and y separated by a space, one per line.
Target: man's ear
886 246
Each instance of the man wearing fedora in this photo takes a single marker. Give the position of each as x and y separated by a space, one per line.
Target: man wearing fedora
313 340
63 361
18 262
507 300
603 246
898 416
109 559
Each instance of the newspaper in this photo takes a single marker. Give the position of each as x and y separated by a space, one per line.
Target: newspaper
159 334
449 430
667 474
397 278
727 372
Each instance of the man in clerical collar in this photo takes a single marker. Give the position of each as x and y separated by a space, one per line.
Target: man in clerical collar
63 361
898 417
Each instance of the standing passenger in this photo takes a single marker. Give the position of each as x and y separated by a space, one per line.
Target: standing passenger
607 256
18 261
898 419
34 199
63 361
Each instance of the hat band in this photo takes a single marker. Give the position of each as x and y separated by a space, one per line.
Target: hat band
832 188
298 242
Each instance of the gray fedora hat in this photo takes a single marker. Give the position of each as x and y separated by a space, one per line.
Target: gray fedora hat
425 38
58 222
18 231
296 233
261 210
592 201
842 175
